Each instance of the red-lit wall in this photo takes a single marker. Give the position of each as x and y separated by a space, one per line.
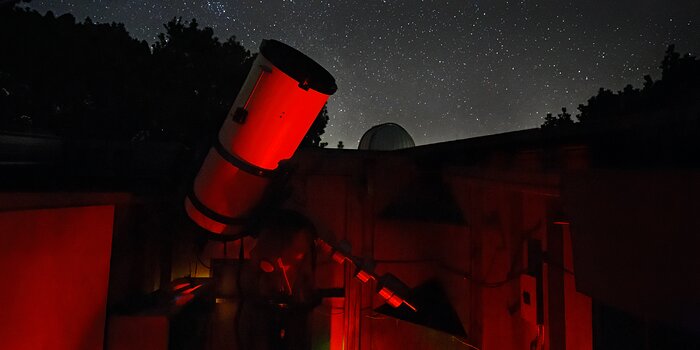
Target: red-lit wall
503 208
55 268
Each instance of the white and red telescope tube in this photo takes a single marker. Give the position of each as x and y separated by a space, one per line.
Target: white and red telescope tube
283 94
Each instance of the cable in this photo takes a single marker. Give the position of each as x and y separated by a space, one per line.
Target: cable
465 343
377 317
483 283
199 258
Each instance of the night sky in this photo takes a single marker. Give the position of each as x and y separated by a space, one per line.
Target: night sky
444 70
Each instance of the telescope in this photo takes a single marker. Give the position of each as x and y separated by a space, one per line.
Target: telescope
282 95
280 99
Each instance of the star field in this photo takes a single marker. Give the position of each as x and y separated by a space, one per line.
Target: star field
444 70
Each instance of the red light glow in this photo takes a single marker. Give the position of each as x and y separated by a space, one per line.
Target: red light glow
226 190
386 293
284 269
390 297
338 257
180 286
324 247
266 266
363 276
279 112
395 301
189 291
56 296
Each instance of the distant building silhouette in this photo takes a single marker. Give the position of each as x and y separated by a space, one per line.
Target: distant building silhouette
386 137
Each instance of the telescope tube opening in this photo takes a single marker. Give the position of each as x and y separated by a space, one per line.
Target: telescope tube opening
298 66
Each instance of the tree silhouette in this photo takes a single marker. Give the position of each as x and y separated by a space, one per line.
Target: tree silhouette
675 95
73 79
90 80
313 137
562 119
196 78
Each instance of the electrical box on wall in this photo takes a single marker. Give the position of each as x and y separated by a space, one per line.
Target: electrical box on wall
528 298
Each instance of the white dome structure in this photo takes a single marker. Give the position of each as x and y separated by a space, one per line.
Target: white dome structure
386 137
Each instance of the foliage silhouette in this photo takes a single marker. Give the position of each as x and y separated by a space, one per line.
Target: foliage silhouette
67 77
562 119
675 96
93 80
196 79
313 137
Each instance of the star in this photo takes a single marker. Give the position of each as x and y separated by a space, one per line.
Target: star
443 70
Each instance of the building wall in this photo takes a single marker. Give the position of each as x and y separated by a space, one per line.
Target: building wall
481 262
56 276
77 256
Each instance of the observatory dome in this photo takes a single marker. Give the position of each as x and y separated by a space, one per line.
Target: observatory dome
386 137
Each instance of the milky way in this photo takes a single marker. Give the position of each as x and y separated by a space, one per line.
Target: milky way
442 69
